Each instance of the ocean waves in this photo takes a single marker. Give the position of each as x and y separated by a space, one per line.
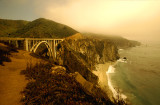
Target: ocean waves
116 94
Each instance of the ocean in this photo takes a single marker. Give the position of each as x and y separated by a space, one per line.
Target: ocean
137 78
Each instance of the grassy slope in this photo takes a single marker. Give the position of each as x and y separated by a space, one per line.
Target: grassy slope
9 26
44 28
38 28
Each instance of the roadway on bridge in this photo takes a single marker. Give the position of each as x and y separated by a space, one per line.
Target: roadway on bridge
11 81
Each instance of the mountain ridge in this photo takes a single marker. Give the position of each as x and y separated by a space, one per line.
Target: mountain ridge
8 26
39 28
45 28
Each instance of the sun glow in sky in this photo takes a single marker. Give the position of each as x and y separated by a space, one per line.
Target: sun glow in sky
134 19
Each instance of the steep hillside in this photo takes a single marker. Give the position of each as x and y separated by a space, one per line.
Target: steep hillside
82 52
9 26
81 55
119 41
41 28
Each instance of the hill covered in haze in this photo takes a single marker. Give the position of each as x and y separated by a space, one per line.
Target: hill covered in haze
119 41
44 28
9 26
39 28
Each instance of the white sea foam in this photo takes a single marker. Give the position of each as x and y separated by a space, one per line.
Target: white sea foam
120 49
122 60
111 69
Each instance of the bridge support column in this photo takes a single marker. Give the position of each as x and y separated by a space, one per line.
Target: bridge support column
51 45
54 52
29 45
9 42
26 45
17 43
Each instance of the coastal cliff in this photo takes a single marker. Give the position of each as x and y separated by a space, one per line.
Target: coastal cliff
70 79
81 55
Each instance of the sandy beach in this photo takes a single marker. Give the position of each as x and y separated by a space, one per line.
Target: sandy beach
100 71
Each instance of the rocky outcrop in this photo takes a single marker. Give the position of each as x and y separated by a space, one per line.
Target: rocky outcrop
58 69
74 63
80 55
89 88
94 51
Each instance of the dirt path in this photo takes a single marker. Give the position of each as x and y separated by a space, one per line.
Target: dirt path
11 81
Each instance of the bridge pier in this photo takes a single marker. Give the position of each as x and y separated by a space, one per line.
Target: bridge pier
26 44
29 45
54 48
17 44
9 41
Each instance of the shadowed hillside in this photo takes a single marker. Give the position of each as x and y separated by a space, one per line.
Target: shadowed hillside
9 26
5 51
43 28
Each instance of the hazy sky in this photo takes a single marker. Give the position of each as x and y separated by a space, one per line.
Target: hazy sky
135 19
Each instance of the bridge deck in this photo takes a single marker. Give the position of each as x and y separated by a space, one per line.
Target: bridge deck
9 38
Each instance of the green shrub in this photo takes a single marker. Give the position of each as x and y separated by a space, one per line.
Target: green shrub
5 50
47 88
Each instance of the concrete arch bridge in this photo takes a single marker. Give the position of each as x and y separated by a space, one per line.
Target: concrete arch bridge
31 44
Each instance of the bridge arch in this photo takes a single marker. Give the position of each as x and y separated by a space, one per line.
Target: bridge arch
35 47
31 44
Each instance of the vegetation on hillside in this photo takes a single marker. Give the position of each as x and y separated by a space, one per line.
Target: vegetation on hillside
80 55
58 87
9 26
5 51
39 28
43 28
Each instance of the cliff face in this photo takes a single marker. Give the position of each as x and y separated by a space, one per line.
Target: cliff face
82 54
94 51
